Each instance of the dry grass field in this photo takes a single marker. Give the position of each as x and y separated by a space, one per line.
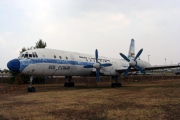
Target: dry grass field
158 100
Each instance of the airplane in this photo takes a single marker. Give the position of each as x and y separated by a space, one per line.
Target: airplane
51 62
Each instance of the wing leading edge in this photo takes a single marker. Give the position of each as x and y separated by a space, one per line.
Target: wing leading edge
161 67
150 68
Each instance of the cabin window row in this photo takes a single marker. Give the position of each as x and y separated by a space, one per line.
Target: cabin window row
60 57
93 59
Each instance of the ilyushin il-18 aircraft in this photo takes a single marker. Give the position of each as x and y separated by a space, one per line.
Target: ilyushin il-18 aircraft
51 62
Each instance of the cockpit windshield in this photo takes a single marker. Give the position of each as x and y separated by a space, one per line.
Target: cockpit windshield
28 55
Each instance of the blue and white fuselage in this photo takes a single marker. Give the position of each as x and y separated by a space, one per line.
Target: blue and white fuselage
52 62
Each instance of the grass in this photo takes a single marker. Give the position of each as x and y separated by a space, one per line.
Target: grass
135 100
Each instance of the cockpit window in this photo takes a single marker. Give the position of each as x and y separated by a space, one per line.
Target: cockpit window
26 56
30 55
33 54
36 54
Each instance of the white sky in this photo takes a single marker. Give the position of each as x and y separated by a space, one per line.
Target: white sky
84 25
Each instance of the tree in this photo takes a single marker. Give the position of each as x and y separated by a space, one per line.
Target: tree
23 49
40 44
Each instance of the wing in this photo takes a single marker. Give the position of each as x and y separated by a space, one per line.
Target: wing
120 70
161 67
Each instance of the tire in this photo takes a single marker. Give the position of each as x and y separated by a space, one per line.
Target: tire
113 85
72 84
29 89
119 84
65 84
33 89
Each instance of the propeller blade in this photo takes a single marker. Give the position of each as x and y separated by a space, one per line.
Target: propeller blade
126 72
88 66
139 53
139 68
97 75
122 55
96 54
105 64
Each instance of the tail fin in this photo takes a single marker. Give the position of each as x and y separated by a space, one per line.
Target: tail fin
131 53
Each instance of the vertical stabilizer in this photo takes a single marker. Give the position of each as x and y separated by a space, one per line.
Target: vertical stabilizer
131 53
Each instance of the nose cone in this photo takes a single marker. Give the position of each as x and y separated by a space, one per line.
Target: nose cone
14 65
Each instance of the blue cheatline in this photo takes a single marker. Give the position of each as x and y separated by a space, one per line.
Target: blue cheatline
27 62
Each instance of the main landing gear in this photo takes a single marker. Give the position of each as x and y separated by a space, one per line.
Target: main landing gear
31 88
68 82
116 84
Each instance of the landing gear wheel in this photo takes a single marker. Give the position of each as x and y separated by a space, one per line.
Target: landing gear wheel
72 84
69 84
113 85
119 85
65 84
31 89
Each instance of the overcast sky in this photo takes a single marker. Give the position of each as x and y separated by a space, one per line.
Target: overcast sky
84 25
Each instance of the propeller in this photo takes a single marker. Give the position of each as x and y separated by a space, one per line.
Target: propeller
132 63
97 66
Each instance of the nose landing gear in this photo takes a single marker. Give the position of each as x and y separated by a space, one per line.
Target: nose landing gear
31 88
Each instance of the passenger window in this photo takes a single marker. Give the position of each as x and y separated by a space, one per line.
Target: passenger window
30 55
60 57
66 58
22 55
54 56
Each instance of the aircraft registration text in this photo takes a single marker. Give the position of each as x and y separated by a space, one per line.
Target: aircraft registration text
59 68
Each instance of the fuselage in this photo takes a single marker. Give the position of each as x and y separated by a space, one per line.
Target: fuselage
52 62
